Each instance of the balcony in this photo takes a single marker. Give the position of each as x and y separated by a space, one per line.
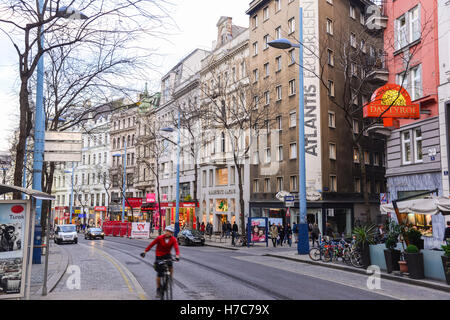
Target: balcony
378 18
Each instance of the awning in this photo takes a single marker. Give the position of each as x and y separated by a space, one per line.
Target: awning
32 193
433 205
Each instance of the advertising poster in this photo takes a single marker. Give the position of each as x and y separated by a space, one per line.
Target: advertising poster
258 231
140 230
12 244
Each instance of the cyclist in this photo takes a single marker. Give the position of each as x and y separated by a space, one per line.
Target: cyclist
164 244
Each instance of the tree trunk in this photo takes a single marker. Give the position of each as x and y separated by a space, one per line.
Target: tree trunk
364 189
24 129
241 199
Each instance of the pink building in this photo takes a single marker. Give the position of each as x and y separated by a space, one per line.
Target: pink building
411 45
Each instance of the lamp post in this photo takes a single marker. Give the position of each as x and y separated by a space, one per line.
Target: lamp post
177 212
303 239
118 155
39 127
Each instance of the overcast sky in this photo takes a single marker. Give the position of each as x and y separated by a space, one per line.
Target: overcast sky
196 20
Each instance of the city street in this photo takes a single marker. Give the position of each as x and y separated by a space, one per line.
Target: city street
113 269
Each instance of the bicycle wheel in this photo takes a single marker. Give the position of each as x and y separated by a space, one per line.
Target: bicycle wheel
327 256
314 254
356 259
163 288
346 257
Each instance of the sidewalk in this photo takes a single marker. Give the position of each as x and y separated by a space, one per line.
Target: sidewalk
291 253
58 261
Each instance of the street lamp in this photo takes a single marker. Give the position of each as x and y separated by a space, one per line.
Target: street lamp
118 155
177 210
303 239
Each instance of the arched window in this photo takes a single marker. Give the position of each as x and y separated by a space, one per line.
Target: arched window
132 140
128 141
223 142
114 143
123 141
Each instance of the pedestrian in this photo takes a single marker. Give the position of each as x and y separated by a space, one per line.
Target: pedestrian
288 236
281 233
310 227
381 233
447 232
315 234
202 228
224 229
234 232
228 229
295 231
274 234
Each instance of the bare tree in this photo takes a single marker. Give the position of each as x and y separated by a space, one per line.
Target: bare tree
107 22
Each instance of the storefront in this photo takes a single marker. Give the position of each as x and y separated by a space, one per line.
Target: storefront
100 215
187 214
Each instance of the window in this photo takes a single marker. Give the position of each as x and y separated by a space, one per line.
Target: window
402 34
330 26
369 187
353 69
331 88
333 183
278 121
291 57
377 187
293 151
352 12
232 175
357 185
367 157
330 57
408 28
211 177
355 155
362 19
279 183
256 185
278 63
291 25
292 119
255 48
363 46
331 120
332 151
222 177
355 126
266 41
353 40
414 24
376 159
418 156
266 69
266 98
293 183
255 75
243 70
278 91
278 33
354 97
406 147
267 185
255 21
268 156
416 82
277 5
280 153
266 13
292 87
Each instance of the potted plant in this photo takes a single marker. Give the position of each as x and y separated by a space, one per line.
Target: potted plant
446 261
414 260
364 236
414 237
391 255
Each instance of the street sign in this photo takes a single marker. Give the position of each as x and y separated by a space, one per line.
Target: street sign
63 146
289 201
383 198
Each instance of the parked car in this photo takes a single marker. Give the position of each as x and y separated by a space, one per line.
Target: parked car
66 233
94 233
190 237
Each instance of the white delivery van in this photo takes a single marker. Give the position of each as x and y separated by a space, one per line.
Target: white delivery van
66 233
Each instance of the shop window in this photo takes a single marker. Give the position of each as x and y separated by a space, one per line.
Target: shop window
221 205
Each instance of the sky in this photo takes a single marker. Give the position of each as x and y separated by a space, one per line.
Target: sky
195 28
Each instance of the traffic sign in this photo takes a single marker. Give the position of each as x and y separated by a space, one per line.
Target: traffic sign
289 201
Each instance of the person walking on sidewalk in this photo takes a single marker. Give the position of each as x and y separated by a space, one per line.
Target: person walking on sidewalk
288 236
282 233
234 232
295 231
274 234
228 232
315 234
224 229
202 228
209 229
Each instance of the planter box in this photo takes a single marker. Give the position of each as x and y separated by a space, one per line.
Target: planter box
392 258
446 266
415 265
365 256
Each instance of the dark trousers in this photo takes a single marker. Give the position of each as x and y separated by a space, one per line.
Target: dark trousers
274 242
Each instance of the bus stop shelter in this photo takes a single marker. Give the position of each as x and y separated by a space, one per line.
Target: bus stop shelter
17 223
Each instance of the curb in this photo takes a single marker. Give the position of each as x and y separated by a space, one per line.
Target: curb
363 271
54 279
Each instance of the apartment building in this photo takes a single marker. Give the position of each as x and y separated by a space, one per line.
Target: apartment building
342 67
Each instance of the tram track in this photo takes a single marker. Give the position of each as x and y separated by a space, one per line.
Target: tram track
183 287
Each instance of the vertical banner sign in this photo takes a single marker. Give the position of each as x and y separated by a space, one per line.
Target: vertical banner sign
312 98
13 242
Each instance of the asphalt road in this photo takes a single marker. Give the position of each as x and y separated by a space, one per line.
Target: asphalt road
209 273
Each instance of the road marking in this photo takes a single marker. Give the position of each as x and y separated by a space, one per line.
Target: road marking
308 274
122 270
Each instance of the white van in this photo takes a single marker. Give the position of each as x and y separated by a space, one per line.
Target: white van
66 233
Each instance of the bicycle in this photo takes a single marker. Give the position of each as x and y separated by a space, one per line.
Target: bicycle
165 290
240 241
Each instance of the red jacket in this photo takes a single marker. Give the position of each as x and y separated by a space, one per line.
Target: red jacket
164 247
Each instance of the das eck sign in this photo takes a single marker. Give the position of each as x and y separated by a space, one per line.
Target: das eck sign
391 102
